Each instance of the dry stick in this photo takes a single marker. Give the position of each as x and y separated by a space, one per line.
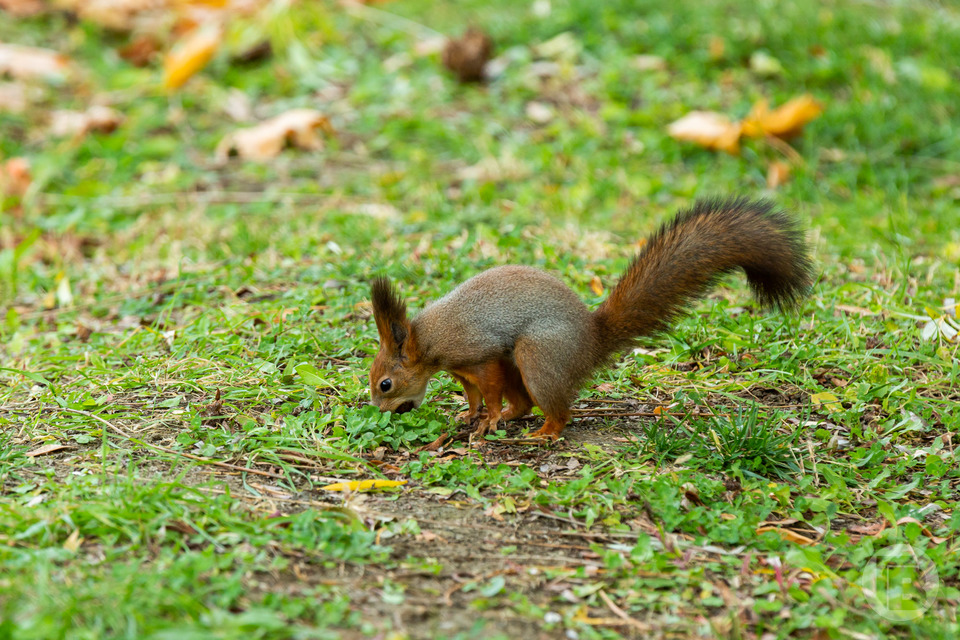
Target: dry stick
625 414
216 463
620 613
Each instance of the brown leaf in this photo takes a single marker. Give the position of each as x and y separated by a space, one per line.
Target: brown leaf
923 529
181 527
468 55
97 119
47 448
140 51
256 53
298 127
869 529
31 62
708 129
791 530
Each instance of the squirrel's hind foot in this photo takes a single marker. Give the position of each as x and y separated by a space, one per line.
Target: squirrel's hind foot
472 417
549 431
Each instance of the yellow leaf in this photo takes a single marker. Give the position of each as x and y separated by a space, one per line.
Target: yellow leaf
596 286
190 56
826 401
363 485
708 129
783 122
74 541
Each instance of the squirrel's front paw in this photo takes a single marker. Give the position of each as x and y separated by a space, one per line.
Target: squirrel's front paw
485 426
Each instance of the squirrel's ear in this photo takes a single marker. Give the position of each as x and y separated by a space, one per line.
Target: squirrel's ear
390 313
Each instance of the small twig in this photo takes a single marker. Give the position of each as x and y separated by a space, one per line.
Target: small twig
792 154
625 414
620 613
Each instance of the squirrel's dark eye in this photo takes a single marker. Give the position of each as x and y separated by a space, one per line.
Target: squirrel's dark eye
385 385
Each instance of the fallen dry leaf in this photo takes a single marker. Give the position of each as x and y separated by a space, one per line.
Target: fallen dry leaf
716 131
32 62
363 485
826 400
73 541
190 55
181 527
596 285
785 121
859 311
97 119
47 448
708 129
140 51
791 530
15 177
923 529
468 55
267 139
778 173
869 529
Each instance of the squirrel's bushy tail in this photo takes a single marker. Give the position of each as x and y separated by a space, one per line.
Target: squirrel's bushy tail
687 255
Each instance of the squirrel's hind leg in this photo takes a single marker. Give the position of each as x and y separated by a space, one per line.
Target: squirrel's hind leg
519 401
546 386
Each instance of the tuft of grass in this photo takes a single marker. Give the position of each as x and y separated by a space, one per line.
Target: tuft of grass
754 444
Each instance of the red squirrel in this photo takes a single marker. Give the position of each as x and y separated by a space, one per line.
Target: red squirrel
518 333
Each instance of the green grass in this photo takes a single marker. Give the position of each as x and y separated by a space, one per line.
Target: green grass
197 335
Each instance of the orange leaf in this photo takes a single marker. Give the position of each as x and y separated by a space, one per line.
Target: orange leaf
15 176
777 174
190 56
708 129
596 286
783 122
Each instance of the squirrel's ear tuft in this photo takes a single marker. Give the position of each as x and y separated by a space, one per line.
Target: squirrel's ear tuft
389 312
